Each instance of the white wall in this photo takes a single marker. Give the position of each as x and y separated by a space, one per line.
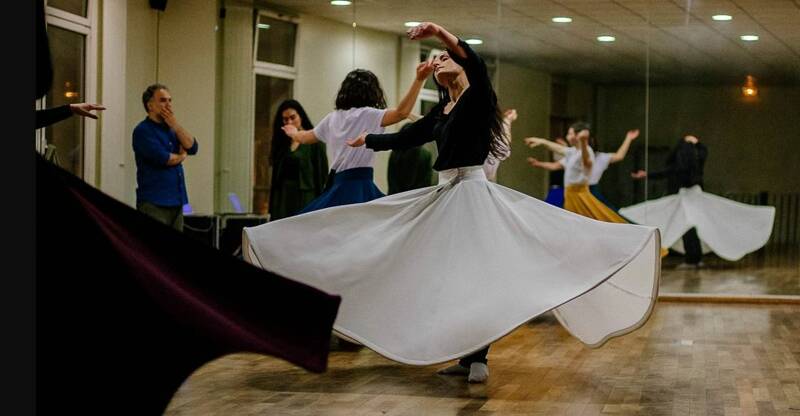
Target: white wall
114 144
187 56
325 55
528 91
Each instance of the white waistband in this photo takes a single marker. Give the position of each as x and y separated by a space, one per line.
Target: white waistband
462 174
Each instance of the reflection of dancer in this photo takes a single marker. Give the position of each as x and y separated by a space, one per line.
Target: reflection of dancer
360 107
728 228
492 163
496 259
602 159
299 171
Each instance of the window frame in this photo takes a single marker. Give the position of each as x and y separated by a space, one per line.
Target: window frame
86 26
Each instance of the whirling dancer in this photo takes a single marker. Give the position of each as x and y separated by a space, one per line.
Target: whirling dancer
360 107
492 163
439 273
693 221
601 163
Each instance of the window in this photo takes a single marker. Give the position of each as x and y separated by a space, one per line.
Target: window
70 32
274 82
75 7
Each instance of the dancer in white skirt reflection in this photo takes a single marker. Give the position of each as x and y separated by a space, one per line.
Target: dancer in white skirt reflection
693 221
439 273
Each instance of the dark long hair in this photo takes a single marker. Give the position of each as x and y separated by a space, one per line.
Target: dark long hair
360 88
499 145
280 141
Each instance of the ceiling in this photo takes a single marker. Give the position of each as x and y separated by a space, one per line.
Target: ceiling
677 38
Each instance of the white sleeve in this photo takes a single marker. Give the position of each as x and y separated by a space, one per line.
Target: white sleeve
569 152
603 159
322 130
373 117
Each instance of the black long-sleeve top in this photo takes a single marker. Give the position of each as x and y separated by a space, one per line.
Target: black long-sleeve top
463 136
684 166
49 116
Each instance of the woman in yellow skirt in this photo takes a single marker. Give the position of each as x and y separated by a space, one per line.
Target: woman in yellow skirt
577 164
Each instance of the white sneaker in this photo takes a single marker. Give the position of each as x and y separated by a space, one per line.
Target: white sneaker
454 370
478 373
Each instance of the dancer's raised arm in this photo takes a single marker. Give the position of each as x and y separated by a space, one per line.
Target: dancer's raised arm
620 154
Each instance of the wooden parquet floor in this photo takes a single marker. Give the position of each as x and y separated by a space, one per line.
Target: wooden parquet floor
689 359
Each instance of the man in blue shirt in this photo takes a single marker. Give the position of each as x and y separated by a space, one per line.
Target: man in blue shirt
161 145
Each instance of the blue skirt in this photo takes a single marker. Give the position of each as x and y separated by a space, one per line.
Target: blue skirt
555 196
351 186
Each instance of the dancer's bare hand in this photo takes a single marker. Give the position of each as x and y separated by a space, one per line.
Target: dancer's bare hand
533 141
534 162
424 69
583 136
510 114
639 174
84 109
358 141
290 130
632 134
423 30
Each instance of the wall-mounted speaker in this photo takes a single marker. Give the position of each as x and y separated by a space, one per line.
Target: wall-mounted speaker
158 4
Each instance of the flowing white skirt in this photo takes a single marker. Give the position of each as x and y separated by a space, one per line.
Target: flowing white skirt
433 274
728 228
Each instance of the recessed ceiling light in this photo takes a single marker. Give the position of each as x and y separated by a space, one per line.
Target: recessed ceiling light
562 19
722 17
263 26
606 38
340 2
749 38
411 24
474 41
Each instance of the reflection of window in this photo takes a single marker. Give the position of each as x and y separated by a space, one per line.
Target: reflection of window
76 7
275 74
67 52
270 92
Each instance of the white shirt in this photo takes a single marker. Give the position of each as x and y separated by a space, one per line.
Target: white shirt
341 125
574 173
492 163
601 162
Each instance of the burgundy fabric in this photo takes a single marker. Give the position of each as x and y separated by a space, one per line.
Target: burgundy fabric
127 308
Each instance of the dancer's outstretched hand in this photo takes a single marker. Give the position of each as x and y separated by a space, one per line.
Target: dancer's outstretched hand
84 109
423 30
632 134
424 69
533 141
358 141
534 162
290 130
639 174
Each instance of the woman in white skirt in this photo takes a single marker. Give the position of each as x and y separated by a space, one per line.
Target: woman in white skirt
696 222
439 273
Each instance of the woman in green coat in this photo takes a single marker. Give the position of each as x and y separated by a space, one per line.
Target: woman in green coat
299 171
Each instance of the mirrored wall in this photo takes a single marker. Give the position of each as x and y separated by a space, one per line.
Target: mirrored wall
694 108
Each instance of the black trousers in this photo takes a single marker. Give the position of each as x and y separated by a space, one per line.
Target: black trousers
691 244
476 357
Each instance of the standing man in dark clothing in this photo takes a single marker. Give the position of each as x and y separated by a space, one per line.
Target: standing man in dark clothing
161 145
684 169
